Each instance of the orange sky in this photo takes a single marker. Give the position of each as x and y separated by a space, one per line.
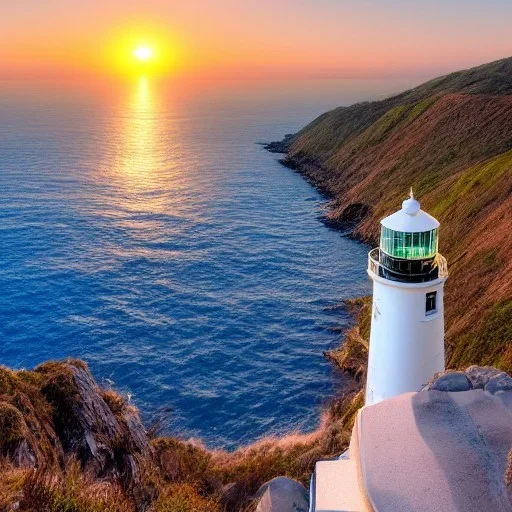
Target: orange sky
56 38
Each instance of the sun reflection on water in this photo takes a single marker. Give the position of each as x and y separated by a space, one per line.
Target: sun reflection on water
139 168
139 157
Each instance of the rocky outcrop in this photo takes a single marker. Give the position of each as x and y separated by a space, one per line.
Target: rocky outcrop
281 146
282 495
58 411
450 381
487 378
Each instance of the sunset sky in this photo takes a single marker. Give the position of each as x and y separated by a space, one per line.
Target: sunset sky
342 38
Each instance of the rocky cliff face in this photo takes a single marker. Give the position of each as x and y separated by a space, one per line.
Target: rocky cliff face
451 140
57 411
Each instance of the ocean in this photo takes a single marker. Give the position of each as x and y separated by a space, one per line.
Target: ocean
144 230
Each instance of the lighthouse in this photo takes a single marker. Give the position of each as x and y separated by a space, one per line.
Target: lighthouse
407 325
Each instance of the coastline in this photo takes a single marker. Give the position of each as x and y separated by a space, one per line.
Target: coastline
68 423
450 140
350 355
350 217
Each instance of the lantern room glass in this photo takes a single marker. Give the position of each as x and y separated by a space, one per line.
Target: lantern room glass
411 246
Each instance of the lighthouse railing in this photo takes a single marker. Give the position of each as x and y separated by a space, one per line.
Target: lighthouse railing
438 268
373 261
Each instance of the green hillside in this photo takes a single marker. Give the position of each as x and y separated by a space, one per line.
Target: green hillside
451 140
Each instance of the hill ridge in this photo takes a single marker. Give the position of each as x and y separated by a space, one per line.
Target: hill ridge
451 139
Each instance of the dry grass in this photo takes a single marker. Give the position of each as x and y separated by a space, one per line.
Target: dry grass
184 498
352 353
232 479
183 476
26 415
11 485
70 490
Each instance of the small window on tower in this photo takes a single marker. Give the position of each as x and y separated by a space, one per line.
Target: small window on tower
431 305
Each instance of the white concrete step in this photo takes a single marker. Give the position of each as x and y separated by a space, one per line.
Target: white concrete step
337 487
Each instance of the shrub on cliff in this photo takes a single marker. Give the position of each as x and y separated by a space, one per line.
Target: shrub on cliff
73 490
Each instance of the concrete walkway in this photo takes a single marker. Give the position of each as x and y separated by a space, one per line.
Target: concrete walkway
437 451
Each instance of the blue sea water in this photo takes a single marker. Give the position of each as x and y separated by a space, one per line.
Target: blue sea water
144 231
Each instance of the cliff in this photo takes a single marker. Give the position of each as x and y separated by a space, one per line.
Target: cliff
66 445
451 140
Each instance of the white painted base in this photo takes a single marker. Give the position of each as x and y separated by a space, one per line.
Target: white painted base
406 344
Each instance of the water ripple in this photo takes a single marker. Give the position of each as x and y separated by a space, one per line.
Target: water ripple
156 241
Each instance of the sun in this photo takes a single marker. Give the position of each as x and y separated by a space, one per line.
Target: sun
142 50
143 53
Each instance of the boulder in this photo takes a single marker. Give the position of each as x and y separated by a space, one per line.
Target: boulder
486 378
480 375
498 383
282 495
450 381
230 495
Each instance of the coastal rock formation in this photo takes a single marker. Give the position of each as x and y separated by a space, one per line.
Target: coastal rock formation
104 432
58 411
487 378
450 381
281 146
282 495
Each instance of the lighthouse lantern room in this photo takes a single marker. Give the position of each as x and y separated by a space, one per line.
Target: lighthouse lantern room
407 326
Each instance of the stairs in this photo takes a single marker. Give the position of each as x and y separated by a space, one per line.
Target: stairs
336 484
337 487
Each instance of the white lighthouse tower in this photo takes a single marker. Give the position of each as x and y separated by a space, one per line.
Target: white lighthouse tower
407 326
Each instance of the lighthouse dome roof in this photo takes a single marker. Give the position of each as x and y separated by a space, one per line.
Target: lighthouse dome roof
411 218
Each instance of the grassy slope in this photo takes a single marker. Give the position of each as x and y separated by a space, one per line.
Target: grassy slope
451 139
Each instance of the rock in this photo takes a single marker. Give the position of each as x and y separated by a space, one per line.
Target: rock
480 375
487 378
135 430
281 146
282 495
106 438
499 383
450 381
24 456
230 494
